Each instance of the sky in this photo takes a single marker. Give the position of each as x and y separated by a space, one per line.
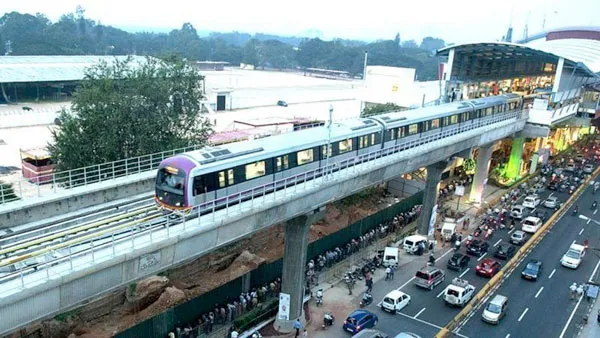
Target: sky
454 21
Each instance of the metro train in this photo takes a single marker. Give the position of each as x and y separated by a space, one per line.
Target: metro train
213 173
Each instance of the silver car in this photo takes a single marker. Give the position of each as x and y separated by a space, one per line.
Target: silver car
588 168
551 202
518 237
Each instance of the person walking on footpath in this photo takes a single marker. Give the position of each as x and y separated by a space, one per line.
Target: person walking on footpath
297 326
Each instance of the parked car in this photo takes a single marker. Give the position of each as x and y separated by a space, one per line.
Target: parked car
532 270
359 320
458 262
282 103
518 237
505 251
488 267
477 247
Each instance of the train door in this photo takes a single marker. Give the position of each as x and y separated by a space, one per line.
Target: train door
220 102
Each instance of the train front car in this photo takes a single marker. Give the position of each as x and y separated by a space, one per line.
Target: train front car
172 183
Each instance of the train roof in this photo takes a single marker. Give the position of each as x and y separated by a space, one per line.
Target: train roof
230 154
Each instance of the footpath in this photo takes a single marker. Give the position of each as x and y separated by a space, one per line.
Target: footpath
336 299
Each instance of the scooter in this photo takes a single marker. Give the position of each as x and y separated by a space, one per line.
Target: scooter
319 297
366 299
328 319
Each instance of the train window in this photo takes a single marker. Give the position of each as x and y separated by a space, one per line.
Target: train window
435 124
454 119
345 146
256 169
392 134
283 163
373 139
329 153
363 141
413 129
305 156
401 132
425 126
464 117
230 179
222 183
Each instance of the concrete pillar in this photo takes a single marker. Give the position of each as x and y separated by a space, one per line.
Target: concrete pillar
536 155
430 195
292 281
482 168
516 156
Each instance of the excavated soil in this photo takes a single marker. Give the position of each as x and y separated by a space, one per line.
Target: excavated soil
155 294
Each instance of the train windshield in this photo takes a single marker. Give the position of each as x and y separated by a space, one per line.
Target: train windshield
171 179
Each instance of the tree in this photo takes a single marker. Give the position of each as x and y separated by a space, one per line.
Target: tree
409 44
7 193
124 110
430 43
469 165
380 109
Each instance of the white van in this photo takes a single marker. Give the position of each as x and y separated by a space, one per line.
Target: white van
390 256
572 258
411 243
448 229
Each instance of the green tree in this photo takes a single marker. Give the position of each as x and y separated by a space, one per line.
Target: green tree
7 193
126 110
469 165
380 109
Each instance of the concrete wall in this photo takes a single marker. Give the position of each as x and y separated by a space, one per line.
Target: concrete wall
402 187
36 209
65 292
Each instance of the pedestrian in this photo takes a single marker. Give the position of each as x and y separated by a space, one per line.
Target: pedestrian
388 273
369 283
305 334
573 289
297 326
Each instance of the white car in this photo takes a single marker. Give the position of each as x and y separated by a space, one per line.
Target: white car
572 258
395 301
531 224
570 167
517 211
531 201
551 202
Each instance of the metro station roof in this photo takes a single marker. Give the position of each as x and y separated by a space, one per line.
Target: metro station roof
52 68
487 59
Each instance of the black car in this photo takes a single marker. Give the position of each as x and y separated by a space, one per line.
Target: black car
505 251
553 185
532 270
458 262
477 247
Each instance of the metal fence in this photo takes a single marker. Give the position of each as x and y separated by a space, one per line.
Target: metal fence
51 183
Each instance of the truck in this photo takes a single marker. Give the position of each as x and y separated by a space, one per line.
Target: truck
459 292
452 221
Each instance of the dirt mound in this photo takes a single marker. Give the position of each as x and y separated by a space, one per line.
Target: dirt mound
146 292
245 262
167 299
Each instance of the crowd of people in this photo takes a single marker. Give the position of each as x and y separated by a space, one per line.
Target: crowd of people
228 312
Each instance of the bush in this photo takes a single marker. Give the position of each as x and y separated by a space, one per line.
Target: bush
257 315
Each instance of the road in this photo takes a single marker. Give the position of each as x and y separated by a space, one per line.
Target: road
546 300
427 312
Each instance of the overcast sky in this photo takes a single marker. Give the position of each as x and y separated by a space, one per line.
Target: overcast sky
454 21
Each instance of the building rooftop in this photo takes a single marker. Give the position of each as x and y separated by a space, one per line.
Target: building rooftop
51 68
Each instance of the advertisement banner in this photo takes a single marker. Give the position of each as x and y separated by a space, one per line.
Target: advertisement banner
284 306
460 190
431 229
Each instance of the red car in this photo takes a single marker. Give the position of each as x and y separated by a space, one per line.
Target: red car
488 267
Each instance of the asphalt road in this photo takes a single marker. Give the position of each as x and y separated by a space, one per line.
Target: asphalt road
542 308
428 312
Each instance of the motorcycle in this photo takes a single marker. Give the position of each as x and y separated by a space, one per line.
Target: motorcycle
477 232
575 211
328 319
319 297
594 205
366 299
431 261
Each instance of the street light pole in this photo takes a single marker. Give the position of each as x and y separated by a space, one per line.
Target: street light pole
327 149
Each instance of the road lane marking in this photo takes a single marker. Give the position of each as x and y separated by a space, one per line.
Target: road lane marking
538 293
408 281
588 221
510 232
573 242
430 324
580 232
462 274
508 335
480 258
552 273
532 211
595 211
523 314
562 334
548 196
500 240
418 313
441 293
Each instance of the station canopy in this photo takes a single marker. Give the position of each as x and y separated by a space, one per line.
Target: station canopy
41 68
503 60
